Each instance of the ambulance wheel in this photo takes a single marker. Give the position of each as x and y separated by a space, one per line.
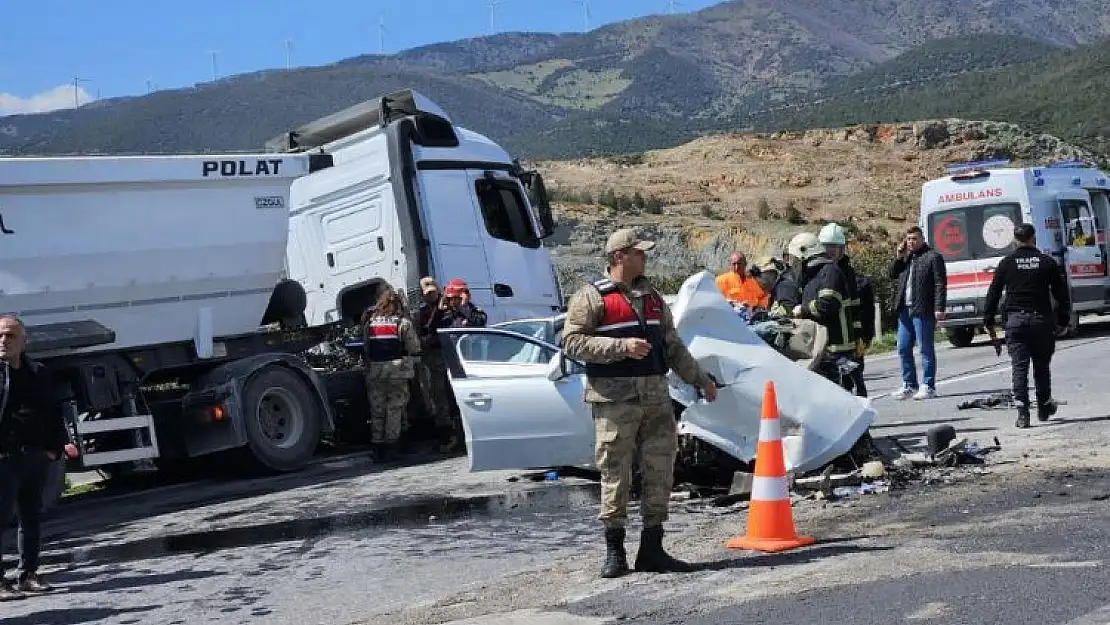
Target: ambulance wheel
961 336
1073 326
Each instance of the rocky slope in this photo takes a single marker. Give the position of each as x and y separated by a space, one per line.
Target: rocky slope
752 192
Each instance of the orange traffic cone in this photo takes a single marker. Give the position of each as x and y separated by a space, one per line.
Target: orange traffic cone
770 520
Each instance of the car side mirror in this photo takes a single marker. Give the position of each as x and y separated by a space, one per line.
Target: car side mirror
557 367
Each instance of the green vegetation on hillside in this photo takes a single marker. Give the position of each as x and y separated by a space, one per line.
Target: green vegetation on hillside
1062 93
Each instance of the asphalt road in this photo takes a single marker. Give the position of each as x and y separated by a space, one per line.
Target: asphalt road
996 546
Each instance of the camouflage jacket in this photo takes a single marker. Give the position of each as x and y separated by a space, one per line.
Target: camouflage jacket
400 368
580 343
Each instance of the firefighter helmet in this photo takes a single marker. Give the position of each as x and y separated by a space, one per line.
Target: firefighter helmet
804 246
832 234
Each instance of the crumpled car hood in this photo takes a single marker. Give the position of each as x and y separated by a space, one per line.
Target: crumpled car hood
820 420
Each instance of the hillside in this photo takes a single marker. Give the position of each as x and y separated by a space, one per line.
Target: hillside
1062 92
624 87
703 199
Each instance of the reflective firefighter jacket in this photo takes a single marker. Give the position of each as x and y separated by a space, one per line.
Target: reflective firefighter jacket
826 299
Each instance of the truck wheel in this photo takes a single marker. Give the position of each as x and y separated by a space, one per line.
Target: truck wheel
282 419
961 336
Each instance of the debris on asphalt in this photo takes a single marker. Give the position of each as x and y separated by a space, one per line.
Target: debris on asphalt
996 400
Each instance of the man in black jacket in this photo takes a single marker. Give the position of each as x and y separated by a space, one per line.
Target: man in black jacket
1028 277
32 435
920 296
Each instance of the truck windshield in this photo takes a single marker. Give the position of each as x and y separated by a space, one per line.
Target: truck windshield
974 232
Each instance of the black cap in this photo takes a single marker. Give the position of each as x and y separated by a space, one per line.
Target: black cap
1025 232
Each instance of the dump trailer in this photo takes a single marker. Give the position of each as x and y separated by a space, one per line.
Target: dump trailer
147 285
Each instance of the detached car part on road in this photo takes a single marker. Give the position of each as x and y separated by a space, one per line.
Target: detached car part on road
522 403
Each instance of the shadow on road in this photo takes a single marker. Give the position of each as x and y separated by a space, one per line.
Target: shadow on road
74 616
822 549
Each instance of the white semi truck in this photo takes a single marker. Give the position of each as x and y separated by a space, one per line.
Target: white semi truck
173 297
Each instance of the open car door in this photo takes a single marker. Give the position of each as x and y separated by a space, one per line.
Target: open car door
521 400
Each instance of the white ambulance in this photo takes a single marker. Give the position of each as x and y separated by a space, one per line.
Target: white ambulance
969 216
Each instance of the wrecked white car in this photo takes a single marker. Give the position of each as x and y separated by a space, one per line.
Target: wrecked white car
522 402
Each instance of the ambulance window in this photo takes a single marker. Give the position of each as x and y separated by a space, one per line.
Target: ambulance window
974 232
1079 223
505 212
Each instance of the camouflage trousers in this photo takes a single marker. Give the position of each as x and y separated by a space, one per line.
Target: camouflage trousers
623 433
388 400
436 389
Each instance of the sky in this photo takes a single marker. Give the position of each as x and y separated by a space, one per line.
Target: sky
128 47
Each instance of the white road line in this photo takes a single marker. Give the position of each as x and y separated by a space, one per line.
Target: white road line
1100 616
1085 564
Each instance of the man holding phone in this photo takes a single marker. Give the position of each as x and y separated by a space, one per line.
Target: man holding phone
920 297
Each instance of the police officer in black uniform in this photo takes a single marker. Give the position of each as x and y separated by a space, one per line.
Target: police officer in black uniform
1028 276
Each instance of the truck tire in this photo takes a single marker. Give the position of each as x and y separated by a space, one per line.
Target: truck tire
961 336
282 419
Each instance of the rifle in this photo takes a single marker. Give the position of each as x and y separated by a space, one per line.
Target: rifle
995 341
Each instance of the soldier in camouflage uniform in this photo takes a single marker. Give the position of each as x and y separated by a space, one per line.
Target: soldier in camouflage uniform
431 372
391 348
621 328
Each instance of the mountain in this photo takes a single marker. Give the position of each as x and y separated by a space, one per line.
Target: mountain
1062 92
627 86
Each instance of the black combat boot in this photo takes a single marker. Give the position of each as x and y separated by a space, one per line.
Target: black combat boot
1046 409
1023 417
652 559
616 561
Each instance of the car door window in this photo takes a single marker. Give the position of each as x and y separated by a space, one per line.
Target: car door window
502 348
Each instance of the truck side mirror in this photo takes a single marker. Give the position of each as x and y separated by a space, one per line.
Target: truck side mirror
538 198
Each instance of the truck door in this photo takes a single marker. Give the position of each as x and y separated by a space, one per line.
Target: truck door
446 197
1083 257
523 281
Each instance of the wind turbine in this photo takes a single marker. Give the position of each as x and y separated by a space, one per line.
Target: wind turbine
492 4
381 35
585 14
288 53
77 80
672 6
150 86
215 67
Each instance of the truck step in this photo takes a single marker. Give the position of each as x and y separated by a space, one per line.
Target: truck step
120 424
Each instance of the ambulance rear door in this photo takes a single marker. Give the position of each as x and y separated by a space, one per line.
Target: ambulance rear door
1084 258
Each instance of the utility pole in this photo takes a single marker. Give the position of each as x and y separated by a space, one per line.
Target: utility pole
492 4
585 14
77 80
215 67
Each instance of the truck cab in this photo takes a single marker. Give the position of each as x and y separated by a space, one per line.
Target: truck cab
410 194
969 216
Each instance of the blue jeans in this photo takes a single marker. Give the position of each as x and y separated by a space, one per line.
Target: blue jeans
917 329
